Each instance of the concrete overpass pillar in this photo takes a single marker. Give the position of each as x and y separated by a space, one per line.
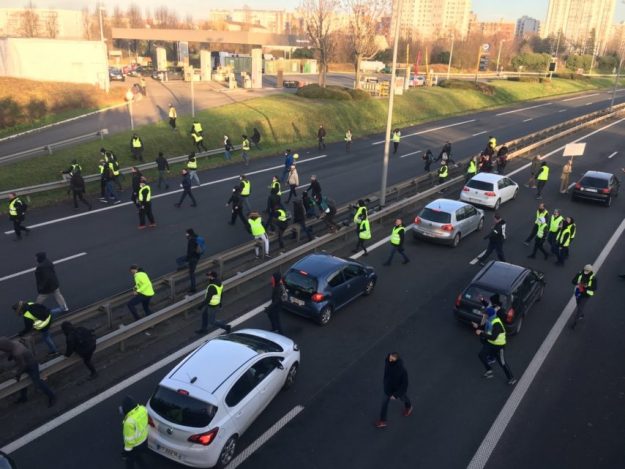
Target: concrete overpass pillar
257 68
206 65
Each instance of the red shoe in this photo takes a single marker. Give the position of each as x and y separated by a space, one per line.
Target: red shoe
408 411
141 227
380 424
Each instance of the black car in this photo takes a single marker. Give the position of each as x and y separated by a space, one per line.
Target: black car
142 71
596 186
115 74
172 73
518 288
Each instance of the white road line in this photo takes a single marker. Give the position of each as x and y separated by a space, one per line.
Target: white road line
27 271
265 437
476 259
430 130
563 110
529 119
580 97
483 453
165 194
479 133
379 243
587 104
408 154
612 155
571 185
523 109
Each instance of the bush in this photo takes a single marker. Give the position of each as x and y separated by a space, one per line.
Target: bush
531 62
571 76
36 109
330 92
526 79
358 95
10 112
484 88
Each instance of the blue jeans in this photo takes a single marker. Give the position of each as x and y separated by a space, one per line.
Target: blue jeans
33 373
45 334
144 301
227 154
209 316
109 191
400 250
285 174
191 264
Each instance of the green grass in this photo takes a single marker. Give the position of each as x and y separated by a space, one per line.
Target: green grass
284 121
49 119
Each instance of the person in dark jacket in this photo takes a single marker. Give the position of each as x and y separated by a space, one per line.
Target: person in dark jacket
299 216
82 341
25 363
163 166
274 309
48 283
586 284
77 186
395 386
496 238
37 317
136 183
256 138
328 209
502 159
186 189
428 159
211 304
191 258
315 190
236 204
321 137
309 205
274 202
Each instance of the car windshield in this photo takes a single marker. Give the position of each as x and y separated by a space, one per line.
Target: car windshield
480 185
258 344
475 293
299 281
590 181
179 408
435 215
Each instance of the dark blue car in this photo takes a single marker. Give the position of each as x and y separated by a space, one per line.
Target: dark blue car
320 284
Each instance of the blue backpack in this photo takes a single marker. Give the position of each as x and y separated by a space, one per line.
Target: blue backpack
201 244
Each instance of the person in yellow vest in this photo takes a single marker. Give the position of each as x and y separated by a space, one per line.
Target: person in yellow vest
493 336
246 190
541 212
492 142
192 169
210 305
197 127
257 230
364 234
359 215
17 214
275 184
245 147
443 173
554 222
102 167
173 115
36 317
144 200
136 147
348 141
397 242
396 138
585 283
539 240
198 141
281 222
471 169
541 179
563 240
143 291
135 430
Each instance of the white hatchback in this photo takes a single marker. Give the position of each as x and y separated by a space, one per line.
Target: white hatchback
490 190
202 407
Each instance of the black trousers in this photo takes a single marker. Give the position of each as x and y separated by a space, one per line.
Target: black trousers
532 233
496 246
137 153
172 123
33 373
144 301
86 359
18 227
384 409
200 146
538 246
237 213
361 245
496 352
145 210
136 456
187 192
273 312
395 147
77 195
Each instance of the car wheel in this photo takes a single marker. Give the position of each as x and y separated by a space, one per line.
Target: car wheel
325 315
608 201
480 225
497 204
291 375
516 192
227 452
456 241
518 326
369 287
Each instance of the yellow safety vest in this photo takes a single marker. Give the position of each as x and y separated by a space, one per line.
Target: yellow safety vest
136 143
564 237
196 137
443 172
348 136
143 285
554 223
247 187
172 113
145 194
216 298
257 226
541 230
396 136
366 233
101 167
113 170
13 208
192 164
540 214
276 185
359 214
38 324
197 127
589 290
573 230
281 215
501 337
135 427
76 167
544 173
472 169
395 238
245 146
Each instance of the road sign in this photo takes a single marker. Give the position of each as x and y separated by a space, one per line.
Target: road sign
485 47
574 149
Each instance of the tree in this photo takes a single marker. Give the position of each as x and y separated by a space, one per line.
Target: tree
362 30
165 18
52 25
29 21
86 23
318 16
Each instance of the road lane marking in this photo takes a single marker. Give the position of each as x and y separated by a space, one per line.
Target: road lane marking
580 97
165 194
523 109
379 243
612 155
587 104
562 110
27 271
477 259
408 154
261 440
479 133
433 129
529 119
488 445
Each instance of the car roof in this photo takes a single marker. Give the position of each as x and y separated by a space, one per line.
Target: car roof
498 275
319 264
487 177
597 174
446 205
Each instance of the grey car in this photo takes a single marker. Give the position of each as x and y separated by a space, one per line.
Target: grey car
447 221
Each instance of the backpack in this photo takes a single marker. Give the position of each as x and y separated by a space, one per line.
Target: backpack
85 339
201 245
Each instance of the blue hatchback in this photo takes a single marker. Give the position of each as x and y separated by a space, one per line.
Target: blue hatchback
320 284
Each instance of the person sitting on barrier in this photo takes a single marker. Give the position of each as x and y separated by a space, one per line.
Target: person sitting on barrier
256 228
82 341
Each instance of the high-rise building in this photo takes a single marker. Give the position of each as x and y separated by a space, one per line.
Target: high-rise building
431 19
526 26
585 24
41 22
502 29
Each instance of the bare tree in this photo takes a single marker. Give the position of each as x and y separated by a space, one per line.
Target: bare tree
29 21
52 25
135 18
165 18
363 15
86 23
318 15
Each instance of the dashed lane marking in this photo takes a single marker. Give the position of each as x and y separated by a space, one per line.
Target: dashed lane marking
477 258
528 119
409 154
479 133
27 271
523 109
430 130
579 97
612 155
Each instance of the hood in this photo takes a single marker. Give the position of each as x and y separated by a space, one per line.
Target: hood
128 404
41 256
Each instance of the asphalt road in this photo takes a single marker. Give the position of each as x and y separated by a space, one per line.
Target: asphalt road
571 416
112 242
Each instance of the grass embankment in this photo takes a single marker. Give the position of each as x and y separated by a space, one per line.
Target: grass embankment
26 104
284 121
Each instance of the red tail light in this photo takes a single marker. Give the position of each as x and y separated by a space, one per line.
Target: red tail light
151 422
447 227
465 189
317 297
204 439
605 191
510 315
417 220
578 185
458 299
490 194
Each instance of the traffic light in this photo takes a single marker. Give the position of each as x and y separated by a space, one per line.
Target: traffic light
483 63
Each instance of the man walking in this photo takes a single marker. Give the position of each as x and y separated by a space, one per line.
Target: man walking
348 141
36 317
396 139
77 186
82 341
163 166
293 182
136 147
299 216
541 212
48 283
192 168
564 177
144 200
563 240
534 169
135 183
236 206
315 190
173 115
496 238
143 292
135 430
471 169
321 137
256 138
443 173
195 248
397 242
539 240
289 159
227 148
555 225
278 295
541 179
257 230
198 141
428 159
210 305
585 286
245 148
246 191
364 234
395 387
17 214
186 189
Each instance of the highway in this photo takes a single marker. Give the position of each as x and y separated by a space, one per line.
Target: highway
570 412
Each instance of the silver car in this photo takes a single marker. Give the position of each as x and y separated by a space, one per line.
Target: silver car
447 221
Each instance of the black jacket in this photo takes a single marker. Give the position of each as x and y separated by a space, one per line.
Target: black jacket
321 133
315 189
299 214
273 202
498 233
40 312
186 182
256 136
162 163
78 339
77 183
395 378
276 290
235 201
23 357
192 248
136 182
45 275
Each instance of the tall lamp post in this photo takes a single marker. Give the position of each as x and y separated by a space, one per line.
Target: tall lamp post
391 96
618 75
451 54
499 53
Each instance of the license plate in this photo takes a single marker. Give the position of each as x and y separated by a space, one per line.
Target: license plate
426 233
296 301
587 189
168 451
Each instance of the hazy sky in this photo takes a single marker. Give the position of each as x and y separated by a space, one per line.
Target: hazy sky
486 9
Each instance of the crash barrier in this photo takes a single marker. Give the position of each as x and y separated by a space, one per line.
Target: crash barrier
399 197
49 148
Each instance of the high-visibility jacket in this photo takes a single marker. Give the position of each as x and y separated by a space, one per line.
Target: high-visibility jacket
564 237
281 215
361 212
500 340
143 285
590 287
135 427
443 171
192 164
554 223
13 207
39 321
541 214
492 142
75 168
245 146
573 230
365 229
101 167
396 136
348 136
276 185
472 169
197 128
247 188
197 138
541 230
256 226
136 142
145 194
172 113
395 235
114 168
544 173
215 300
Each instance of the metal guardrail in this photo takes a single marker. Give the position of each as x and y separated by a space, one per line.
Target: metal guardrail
397 193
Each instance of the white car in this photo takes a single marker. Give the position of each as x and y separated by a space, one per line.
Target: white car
490 190
203 406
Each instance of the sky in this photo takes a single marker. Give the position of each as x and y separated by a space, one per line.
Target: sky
486 10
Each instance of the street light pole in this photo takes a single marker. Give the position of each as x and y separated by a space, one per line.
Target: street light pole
618 75
391 96
132 122
499 54
451 53
101 26
192 96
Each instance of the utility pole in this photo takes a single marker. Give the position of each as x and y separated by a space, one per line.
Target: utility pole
499 53
407 82
101 25
451 53
192 95
618 75
132 122
477 66
391 96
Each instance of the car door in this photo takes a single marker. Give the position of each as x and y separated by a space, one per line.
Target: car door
509 188
523 297
339 289
461 220
472 218
355 280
